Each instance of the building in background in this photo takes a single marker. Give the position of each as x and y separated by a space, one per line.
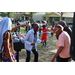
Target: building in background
38 17
56 16
20 16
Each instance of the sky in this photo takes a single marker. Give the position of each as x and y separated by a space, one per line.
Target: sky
44 12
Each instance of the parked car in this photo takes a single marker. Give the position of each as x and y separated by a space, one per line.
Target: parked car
43 21
22 22
70 24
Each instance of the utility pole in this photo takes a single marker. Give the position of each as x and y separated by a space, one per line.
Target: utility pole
72 47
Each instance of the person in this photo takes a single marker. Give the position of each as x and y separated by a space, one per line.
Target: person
29 26
67 29
44 35
31 40
17 25
18 29
47 24
26 28
52 30
40 25
63 44
6 42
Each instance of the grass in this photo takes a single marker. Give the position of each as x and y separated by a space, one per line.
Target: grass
44 53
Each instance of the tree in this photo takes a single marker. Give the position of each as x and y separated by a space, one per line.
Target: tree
7 14
61 13
30 14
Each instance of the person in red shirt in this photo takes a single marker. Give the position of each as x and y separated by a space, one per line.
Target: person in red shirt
44 35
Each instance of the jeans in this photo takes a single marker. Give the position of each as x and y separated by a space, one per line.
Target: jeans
35 55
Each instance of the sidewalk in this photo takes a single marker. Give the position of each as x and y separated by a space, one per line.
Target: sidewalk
22 60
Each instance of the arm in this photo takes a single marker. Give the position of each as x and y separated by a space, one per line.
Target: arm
26 39
47 30
13 29
38 40
7 47
58 52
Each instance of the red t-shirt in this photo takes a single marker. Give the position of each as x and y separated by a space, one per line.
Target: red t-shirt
44 35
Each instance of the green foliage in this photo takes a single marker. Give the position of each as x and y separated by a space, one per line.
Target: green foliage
5 14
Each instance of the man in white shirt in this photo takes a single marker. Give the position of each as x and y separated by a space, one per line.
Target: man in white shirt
31 41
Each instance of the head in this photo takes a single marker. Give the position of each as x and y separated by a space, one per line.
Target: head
57 29
44 26
35 27
63 23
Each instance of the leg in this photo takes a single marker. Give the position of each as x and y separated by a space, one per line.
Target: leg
45 43
42 43
28 56
35 55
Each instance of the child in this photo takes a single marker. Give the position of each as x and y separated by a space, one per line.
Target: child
44 35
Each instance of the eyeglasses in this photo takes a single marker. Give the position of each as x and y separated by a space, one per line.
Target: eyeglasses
56 30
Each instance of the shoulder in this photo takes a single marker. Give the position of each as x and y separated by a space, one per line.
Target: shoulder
68 29
6 35
30 32
62 34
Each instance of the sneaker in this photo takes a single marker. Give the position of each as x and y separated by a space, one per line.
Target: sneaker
42 45
45 46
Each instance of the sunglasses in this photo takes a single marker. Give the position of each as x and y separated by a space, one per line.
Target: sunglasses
56 30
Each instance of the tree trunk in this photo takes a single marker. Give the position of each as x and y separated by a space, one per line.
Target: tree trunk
8 14
31 14
61 15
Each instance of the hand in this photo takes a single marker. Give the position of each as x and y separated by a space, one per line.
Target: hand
32 43
52 59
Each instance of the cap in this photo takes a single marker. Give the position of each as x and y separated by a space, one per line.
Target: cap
62 22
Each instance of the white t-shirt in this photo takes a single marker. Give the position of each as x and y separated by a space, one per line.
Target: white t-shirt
29 24
40 25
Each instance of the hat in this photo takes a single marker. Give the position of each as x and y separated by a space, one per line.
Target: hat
62 22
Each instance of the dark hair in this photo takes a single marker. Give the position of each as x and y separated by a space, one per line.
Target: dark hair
44 26
33 25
